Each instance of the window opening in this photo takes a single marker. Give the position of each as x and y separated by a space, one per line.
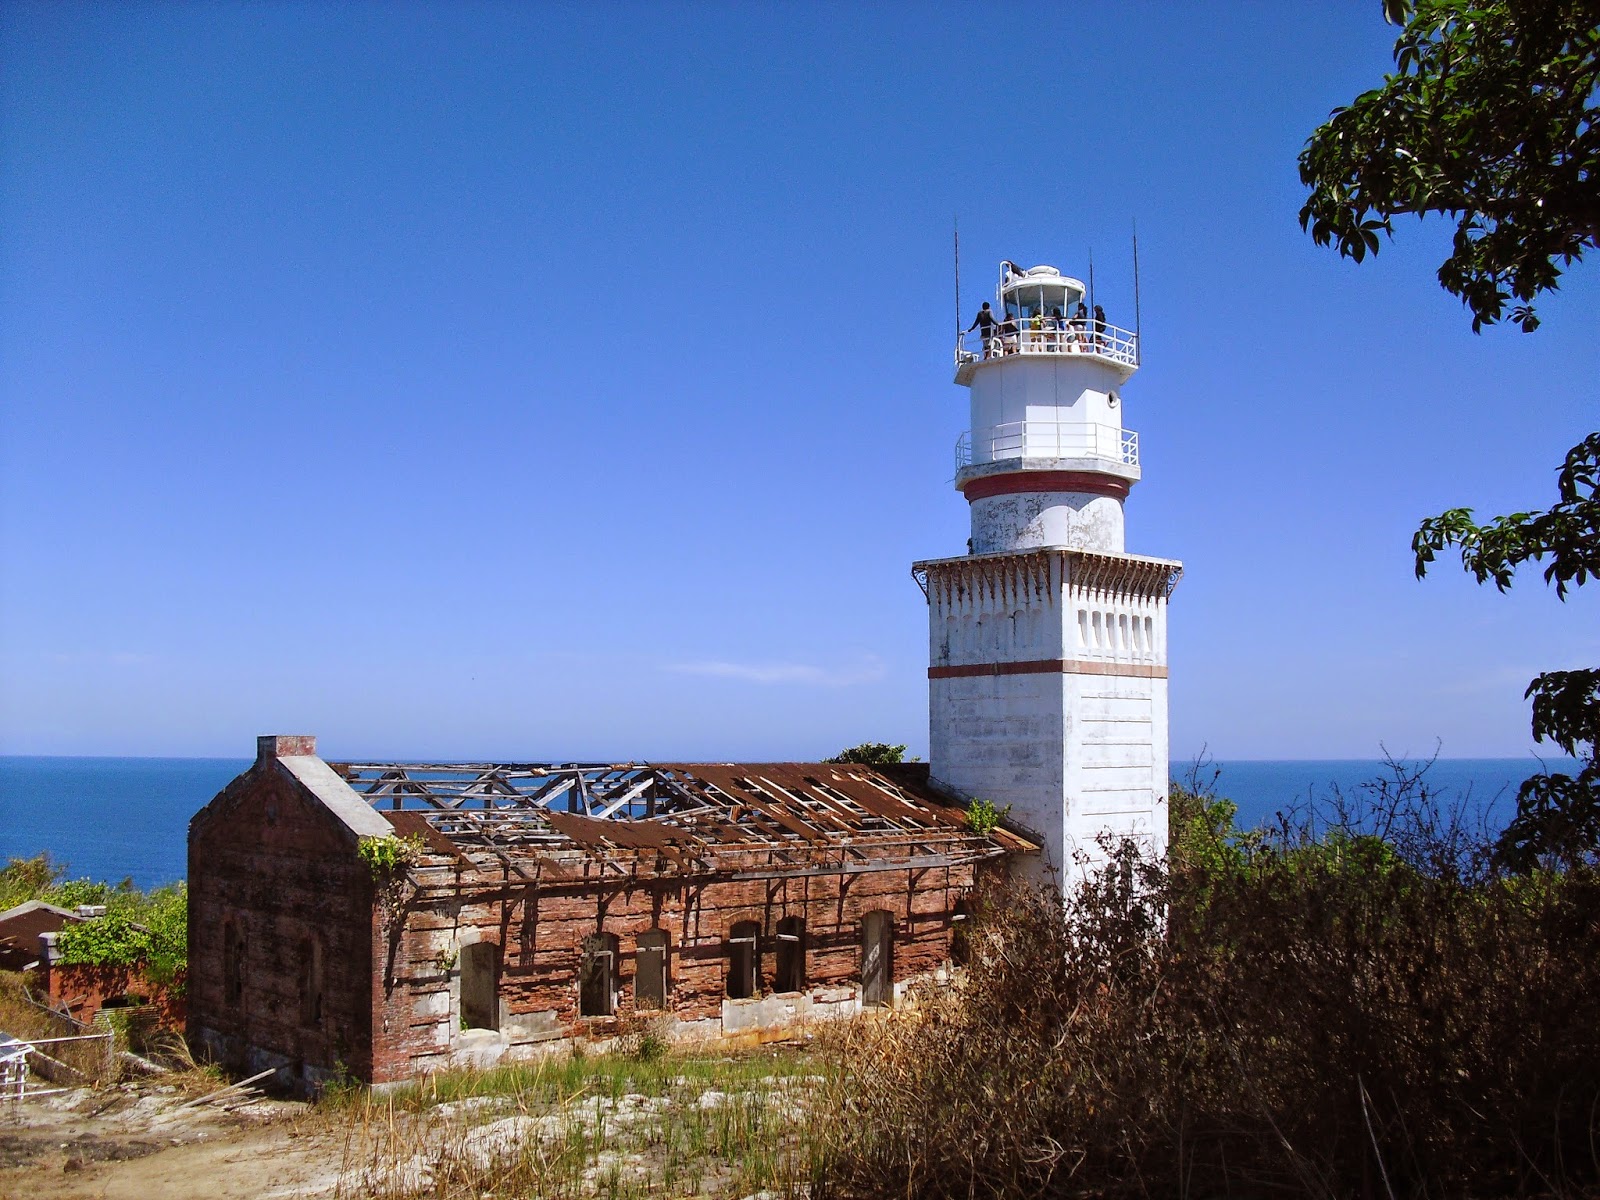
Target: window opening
597 977
650 970
480 964
743 959
311 981
960 933
791 966
877 958
232 965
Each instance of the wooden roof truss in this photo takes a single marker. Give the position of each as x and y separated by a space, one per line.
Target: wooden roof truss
583 823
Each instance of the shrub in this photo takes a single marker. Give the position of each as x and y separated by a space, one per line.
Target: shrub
984 816
870 754
1354 1004
149 929
24 879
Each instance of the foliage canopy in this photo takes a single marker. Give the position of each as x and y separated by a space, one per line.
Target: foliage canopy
1489 119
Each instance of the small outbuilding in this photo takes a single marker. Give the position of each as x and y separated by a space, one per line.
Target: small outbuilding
383 919
21 927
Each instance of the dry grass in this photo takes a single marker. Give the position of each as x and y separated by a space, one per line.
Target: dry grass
609 1126
1326 1017
22 1018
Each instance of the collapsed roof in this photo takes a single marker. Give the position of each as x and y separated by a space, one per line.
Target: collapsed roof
587 823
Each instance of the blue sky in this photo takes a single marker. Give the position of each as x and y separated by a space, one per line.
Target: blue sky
574 381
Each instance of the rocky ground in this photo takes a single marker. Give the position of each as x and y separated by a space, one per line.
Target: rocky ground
147 1140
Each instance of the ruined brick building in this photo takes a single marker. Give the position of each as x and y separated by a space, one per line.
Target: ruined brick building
557 902
554 902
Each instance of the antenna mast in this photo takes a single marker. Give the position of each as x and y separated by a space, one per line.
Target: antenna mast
1138 329
956 224
1091 277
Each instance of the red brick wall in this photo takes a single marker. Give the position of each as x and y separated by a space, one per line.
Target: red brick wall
283 872
540 936
83 990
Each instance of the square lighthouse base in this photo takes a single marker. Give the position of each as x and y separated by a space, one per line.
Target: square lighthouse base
1047 691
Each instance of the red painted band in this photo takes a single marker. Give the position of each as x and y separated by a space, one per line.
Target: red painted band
1049 666
1008 483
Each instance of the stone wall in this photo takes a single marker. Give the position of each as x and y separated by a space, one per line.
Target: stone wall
1047 691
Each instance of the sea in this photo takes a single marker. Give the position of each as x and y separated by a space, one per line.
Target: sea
127 818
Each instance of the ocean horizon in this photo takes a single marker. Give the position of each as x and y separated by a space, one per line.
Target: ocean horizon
114 818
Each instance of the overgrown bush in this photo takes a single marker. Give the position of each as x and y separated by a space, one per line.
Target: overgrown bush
1352 1004
871 754
140 927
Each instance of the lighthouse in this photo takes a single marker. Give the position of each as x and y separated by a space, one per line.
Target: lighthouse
1047 676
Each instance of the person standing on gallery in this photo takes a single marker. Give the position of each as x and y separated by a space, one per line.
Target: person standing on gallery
989 326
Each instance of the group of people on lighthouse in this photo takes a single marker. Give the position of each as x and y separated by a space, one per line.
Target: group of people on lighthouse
1050 331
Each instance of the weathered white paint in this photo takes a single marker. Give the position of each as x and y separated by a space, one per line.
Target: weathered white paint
1080 758
1077 744
1031 520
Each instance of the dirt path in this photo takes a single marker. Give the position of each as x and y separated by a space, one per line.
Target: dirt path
136 1146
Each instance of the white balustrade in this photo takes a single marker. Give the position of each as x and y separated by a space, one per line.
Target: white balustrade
1047 439
1047 336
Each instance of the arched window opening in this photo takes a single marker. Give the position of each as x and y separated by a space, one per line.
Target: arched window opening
877 958
790 975
480 1002
597 976
650 970
744 958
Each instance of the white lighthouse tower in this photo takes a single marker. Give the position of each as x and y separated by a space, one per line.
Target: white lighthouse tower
1047 683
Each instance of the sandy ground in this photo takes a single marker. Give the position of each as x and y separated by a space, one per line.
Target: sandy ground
135 1144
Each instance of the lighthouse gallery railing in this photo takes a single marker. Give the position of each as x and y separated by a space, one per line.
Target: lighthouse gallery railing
1047 439
1110 342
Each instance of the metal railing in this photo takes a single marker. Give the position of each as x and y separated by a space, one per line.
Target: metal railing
1046 335
1047 439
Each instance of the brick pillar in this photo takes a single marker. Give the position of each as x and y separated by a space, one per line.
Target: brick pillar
285 745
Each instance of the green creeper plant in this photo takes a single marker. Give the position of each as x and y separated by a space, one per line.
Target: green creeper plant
389 856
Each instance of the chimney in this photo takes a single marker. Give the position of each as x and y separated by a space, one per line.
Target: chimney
285 745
